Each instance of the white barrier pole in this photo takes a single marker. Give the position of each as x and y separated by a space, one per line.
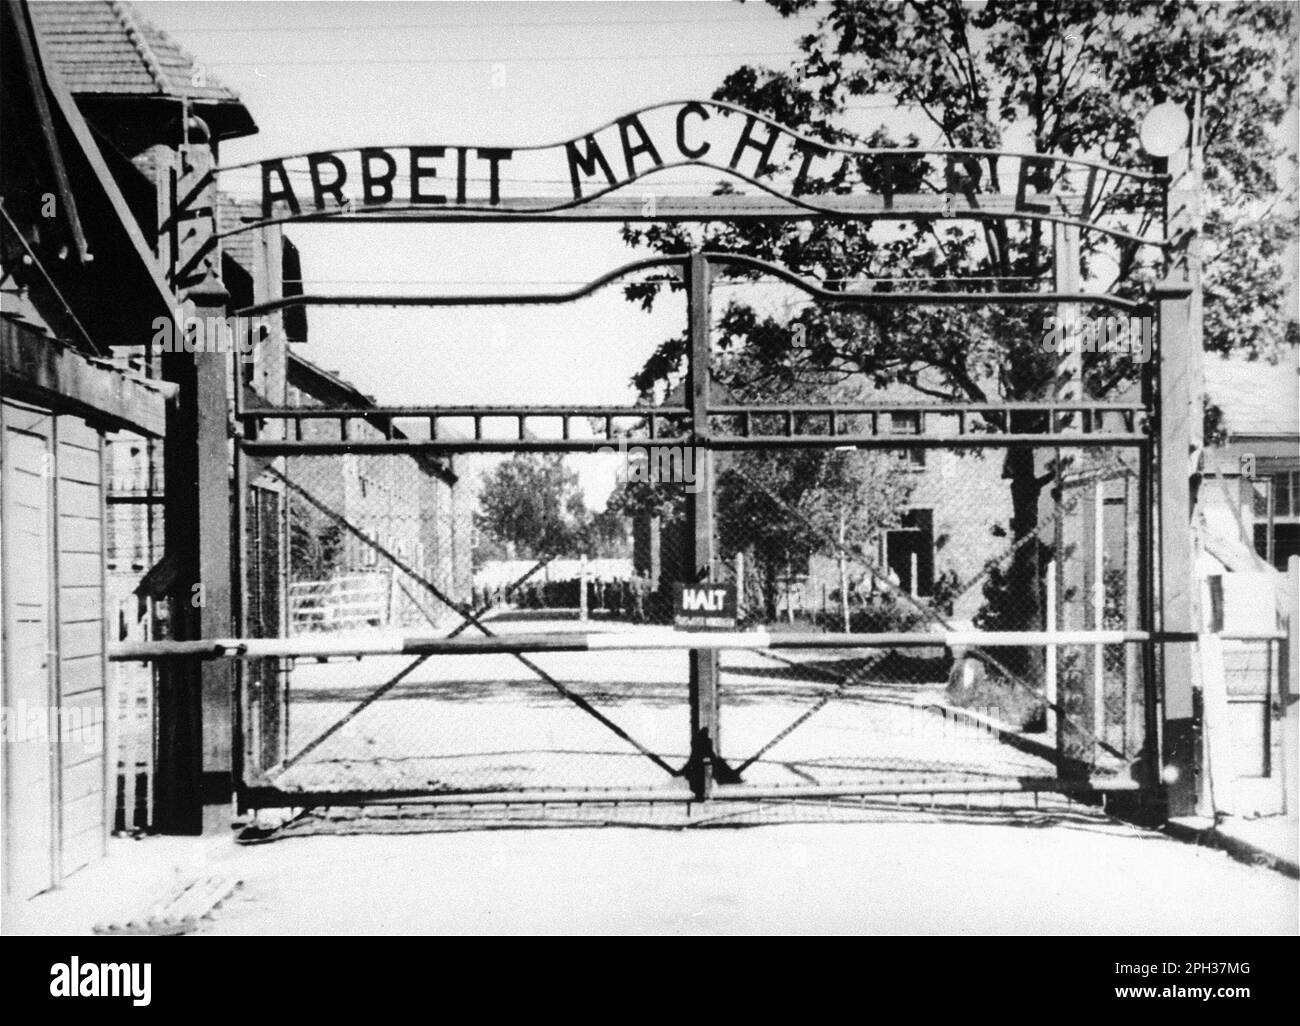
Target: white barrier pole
392 643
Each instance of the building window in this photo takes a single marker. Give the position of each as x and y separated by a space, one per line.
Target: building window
1277 517
1278 493
1286 494
911 423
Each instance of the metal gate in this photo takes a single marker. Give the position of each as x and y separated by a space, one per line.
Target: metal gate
962 600
847 673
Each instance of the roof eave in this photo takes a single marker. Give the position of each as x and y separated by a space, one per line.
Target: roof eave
226 119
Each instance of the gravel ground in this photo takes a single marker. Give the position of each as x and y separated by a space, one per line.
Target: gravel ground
1080 874
488 722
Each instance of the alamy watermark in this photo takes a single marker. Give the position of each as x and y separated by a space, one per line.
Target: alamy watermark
657 464
1122 336
77 979
186 333
71 725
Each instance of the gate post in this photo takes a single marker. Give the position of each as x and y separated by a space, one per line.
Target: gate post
1066 613
194 701
1179 411
1177 604
699 532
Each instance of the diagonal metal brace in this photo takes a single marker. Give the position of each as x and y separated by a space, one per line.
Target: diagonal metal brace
471 618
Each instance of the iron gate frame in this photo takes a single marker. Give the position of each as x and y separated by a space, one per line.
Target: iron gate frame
1163 554
704 767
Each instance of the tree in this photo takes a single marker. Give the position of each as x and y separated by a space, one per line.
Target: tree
1078 76
781 508
532 503
605 536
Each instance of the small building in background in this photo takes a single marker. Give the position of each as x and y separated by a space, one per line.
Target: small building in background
1250 494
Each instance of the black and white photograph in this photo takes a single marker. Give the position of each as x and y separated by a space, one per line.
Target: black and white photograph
632 467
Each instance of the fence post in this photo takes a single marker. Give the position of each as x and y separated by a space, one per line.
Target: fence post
1067 276
740 584
1288 687
1179 415
844 578
1098 654
699 536
1216 792
1132 608
392 590
582 588
1179 669
1049 661
194 699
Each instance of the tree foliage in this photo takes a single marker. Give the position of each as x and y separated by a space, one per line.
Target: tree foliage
532 505
1075 79
781 508
1072 78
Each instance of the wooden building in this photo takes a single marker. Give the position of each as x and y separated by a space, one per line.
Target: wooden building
79 278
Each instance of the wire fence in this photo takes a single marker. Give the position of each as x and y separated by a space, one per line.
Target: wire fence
367 543
919 541
815 541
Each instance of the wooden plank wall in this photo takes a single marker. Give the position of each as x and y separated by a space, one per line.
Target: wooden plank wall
82 654
27 547
56 804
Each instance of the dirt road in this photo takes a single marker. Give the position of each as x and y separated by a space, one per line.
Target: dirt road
1088 875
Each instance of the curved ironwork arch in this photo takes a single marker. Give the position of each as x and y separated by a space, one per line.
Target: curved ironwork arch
796 204
810 287
732 108
930 298
470 213
510 299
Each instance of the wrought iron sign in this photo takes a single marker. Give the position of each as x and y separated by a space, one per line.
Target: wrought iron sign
788 174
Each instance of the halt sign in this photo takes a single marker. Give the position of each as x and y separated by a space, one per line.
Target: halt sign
699 607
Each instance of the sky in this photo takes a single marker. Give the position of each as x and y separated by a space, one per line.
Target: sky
339 75
317 76
342 75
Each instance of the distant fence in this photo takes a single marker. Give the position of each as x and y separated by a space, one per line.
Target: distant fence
341 603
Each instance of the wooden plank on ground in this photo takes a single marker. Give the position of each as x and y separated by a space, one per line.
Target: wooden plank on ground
179 912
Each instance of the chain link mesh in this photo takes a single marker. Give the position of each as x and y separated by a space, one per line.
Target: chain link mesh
355 544
816 540
813 548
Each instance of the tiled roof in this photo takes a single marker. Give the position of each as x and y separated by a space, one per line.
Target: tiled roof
1257 397
230 214
102 47
304 374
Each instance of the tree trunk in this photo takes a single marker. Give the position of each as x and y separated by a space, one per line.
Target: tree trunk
1021 600
769 593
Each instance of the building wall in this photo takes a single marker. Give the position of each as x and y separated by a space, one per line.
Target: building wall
56 816
398 501
969 498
